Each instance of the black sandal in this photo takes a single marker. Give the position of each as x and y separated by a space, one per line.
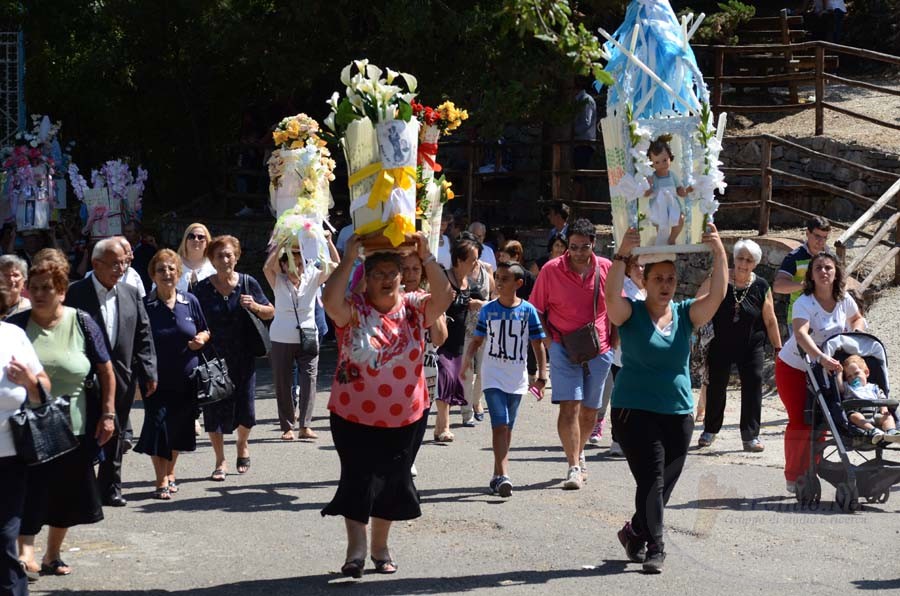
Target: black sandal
243 462
353 568
162 493
55 568
384 566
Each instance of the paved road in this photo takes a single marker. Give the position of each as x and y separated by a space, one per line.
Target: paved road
731 528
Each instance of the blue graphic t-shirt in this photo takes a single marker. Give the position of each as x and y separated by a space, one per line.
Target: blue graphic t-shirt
507 332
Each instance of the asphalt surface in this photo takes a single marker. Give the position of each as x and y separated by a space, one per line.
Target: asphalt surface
731 527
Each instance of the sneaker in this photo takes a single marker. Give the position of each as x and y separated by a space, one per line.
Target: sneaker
754 446
635 548
655 559
493 484
504 487
470 423
413 470
597 433
876 435
706 439
791 487
479 416
582 463
573 479
594 439
616 449
892 436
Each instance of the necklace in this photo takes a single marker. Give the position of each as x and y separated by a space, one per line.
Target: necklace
737 301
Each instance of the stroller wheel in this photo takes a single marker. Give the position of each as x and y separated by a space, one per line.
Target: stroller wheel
846 499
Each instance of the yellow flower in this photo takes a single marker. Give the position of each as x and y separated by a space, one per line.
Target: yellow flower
280 137
297 145
293 128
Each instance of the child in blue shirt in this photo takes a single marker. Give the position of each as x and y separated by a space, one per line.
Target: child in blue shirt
507 324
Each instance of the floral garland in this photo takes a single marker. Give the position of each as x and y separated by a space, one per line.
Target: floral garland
447 117
125 188
712 178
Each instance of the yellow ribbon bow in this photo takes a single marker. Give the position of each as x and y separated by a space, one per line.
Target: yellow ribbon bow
396 230
404 177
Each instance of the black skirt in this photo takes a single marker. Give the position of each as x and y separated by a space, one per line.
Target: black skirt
375 472
63 492
168 424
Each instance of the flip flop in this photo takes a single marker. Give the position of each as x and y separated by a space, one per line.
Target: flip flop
31 574
384 566
353 568
218 475
243 462
55 568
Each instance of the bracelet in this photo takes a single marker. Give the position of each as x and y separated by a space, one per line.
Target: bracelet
108 416
623 258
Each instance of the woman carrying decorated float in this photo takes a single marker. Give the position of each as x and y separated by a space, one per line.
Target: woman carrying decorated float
379 395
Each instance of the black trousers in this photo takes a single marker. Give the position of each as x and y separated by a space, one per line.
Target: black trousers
12 502
655 446
749 360
109 473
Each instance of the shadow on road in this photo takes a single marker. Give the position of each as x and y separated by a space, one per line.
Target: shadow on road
333 583
235 499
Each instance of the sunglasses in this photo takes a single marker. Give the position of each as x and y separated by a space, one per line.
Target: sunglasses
196 237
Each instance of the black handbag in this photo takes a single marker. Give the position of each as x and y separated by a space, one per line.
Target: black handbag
211 380
258 342
44 432
309 338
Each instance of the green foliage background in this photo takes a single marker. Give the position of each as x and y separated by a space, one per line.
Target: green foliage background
169 82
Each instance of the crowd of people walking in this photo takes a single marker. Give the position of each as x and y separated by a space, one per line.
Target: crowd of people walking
472 327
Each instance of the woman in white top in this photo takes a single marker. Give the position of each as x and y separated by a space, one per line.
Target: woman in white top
192 250
20 372
294 334
823 310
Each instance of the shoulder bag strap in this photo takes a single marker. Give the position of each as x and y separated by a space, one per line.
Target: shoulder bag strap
596 292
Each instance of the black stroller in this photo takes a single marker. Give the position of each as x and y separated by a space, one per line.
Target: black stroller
825 411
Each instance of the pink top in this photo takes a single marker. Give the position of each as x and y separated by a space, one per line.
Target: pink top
564 298
380 378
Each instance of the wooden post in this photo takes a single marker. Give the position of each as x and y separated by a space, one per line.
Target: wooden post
788 55
897 256
718 72
765 186
820 90
555 177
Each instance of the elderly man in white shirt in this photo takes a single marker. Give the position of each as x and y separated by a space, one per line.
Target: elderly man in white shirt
130 276
487 253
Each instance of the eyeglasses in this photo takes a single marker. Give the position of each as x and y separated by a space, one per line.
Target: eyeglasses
120 265
196 237
580 247
819 237
384 275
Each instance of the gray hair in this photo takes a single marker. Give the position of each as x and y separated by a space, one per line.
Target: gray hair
750 246
104 246
9 261
477 225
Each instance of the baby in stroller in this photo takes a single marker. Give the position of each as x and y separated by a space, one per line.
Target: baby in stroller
854 380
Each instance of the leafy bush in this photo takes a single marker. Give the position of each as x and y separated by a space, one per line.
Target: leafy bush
720 28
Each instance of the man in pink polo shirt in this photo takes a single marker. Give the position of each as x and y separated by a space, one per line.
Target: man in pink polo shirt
563 295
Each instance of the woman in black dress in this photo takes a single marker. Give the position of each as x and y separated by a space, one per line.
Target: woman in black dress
222 297
740 327
179 331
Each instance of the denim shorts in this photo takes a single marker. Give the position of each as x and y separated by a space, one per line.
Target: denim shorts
502 407
570 382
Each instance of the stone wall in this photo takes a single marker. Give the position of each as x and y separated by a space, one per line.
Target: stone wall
748 154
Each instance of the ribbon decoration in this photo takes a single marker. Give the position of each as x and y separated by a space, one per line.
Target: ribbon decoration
404 177
397 229
99 215
428 154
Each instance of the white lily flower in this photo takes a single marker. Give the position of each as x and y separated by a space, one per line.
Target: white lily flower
407 97
411 83
333 102
643 146
361 64
391 75
345 75
714 145
373 72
